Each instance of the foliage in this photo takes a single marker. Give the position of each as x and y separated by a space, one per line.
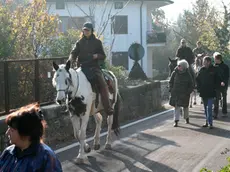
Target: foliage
62 44
160 55
158 20
223 32
33 27
5 32
203 22
25 28
223 169
119 71
198 24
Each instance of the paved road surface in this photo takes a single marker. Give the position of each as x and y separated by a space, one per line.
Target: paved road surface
154 145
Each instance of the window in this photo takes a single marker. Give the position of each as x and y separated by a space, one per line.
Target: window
77 22
119 25
72 23
118 5
60 4
120 59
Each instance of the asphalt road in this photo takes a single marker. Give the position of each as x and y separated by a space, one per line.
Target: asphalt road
154 145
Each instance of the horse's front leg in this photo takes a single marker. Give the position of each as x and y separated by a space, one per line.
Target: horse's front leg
98 120
109 136
84 147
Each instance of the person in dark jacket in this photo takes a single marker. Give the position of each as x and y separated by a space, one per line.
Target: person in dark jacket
224 69
28 152
181 86
208 80
185 52
89 53
198 50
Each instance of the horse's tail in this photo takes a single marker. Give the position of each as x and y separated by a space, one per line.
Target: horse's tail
117 101
116 126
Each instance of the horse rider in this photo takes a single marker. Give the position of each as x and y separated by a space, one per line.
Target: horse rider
198 50
185 52
89 53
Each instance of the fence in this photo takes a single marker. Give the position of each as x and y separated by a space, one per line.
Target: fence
26 81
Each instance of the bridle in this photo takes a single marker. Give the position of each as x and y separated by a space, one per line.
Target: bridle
68 86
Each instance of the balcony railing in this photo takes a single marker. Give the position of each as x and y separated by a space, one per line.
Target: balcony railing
156 37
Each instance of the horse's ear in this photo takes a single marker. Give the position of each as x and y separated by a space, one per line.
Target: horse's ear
56 67
67 66
170 59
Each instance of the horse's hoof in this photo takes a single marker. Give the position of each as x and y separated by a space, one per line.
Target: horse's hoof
87 150
97 147
194 103
80 161
108 146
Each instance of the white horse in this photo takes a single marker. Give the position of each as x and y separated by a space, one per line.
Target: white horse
196 68
75 90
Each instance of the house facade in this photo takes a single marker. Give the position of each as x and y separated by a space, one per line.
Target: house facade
121 23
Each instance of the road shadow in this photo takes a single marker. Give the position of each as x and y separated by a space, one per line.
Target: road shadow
131 154
93 165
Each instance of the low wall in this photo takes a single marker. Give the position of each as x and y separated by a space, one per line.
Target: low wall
164 91
137 102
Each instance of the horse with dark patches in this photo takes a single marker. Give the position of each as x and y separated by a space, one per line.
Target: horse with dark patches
77 106
74 89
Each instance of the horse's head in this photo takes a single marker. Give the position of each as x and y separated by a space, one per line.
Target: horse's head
172 65
62 81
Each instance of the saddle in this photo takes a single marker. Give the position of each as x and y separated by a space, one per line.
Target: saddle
108 78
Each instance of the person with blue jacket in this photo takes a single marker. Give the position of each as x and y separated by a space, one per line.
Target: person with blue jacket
28 152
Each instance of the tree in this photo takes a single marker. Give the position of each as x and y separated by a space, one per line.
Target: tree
198 24
62 44
160 55
6 38
32 28
223 32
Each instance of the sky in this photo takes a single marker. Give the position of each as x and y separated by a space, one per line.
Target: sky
172 11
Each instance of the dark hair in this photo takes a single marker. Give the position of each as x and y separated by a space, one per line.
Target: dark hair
208 59
82 34
29 121
218 57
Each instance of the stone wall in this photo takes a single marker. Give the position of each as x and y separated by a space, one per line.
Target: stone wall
164 91
137 102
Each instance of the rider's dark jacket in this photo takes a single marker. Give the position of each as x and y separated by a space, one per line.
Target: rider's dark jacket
185 53
197 51
84 50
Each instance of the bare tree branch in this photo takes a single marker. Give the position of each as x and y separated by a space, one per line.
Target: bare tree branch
81 9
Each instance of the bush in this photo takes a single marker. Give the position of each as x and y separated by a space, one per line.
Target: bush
223 169
119 71
62 44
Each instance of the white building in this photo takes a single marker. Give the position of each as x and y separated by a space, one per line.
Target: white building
123 23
